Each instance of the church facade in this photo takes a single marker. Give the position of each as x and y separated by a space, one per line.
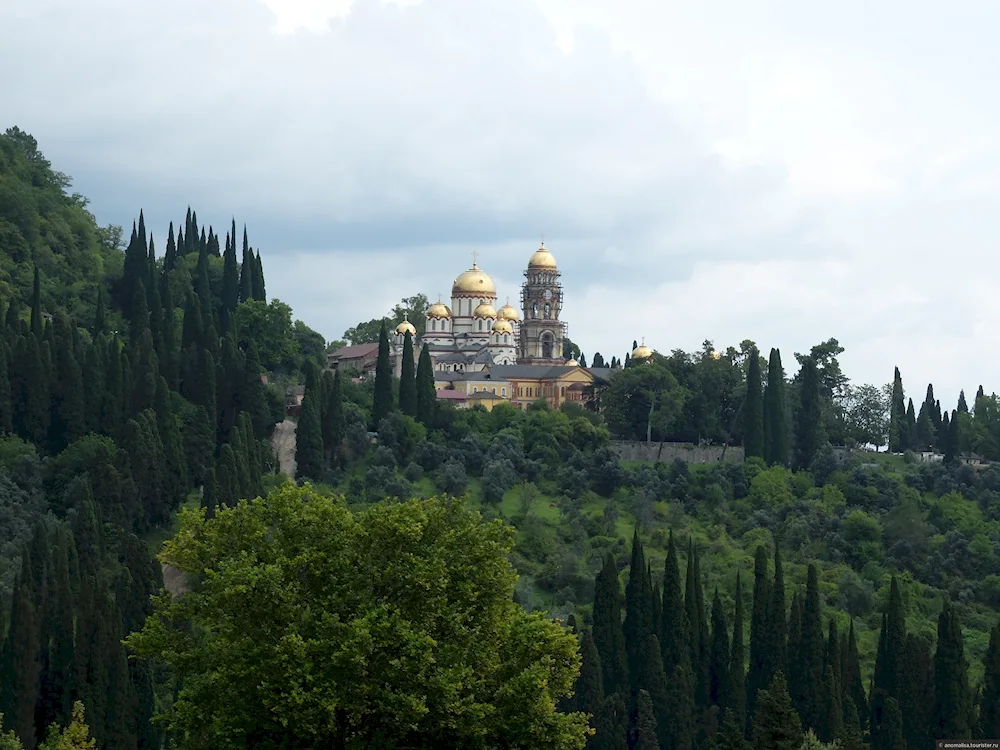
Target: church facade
473 334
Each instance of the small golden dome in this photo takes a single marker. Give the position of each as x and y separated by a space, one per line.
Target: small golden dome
475 281
438 310
485 310
542 258
509 312
502 326
405 326
642 352
572 362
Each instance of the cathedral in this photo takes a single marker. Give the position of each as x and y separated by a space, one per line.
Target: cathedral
472 334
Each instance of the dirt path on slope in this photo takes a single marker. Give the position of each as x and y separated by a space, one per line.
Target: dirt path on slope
283 441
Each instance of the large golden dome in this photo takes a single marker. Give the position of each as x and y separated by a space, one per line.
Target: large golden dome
542 258
405 326
474 282
502 326
438 310
642 352
485 310
509 312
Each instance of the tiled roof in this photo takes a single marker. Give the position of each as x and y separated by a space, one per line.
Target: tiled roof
352 352
450 395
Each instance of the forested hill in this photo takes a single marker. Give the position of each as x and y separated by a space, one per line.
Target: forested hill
130 378
141 378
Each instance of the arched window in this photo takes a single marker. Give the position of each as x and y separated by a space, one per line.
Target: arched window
506 338
434 325
548 311
503 391
480 324
563 391
494 391
475 389
547 347
534 310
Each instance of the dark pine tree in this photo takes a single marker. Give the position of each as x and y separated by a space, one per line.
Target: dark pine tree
890 732
697 627
589 693
382 399
246 270
638 613
608 635
735 703
952 697
426 395
912 441
36 306
852 684
611 725
19 663
777 637
719 655
646 735
259 289
809 420
309 439
6 404
333 416
989 698
897 416
759 656
775 424
753 410
407 379
776 726
811 655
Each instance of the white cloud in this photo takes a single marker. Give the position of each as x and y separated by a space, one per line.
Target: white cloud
778 171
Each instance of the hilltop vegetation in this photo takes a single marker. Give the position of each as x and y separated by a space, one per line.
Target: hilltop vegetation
133 408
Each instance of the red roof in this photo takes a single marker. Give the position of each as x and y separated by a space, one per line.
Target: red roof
453 395
352 352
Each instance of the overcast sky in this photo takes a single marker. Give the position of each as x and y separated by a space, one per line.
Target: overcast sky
779 171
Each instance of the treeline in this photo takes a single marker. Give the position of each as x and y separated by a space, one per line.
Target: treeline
110 423
669 672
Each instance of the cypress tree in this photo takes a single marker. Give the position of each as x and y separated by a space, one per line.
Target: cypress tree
426 393
776 726
19 664
696 629
309 439
963 406
608 635
950 427
333 417
776 649
917 700
382 400
911 427
246 270
589 693
252 396
718 666
29 391
652 681
731 735
736 697
989 699
679 710
853 686
809 420
170 255
759 656
753 410
810 662
775 425
6 405
259 289
36 306
407 380
230 283
59 651
831 711
890 734
852 736
796 680
611 725
952 698
646 724
897 415
674 629
638 614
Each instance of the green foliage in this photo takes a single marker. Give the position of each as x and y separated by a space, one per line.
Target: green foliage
401 615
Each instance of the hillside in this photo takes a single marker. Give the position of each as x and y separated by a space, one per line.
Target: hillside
139 406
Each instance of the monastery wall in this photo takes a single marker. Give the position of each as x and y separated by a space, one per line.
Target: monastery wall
634 450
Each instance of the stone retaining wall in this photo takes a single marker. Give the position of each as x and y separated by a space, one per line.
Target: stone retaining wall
633 450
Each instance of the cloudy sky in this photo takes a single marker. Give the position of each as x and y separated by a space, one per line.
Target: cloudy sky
712 169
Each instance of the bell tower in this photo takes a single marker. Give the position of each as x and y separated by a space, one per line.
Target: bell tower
541 331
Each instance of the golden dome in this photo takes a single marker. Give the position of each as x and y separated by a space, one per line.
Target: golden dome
502 326
542 258
509 312
438 310
642 352
485 310
475 281
405 326
572 363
